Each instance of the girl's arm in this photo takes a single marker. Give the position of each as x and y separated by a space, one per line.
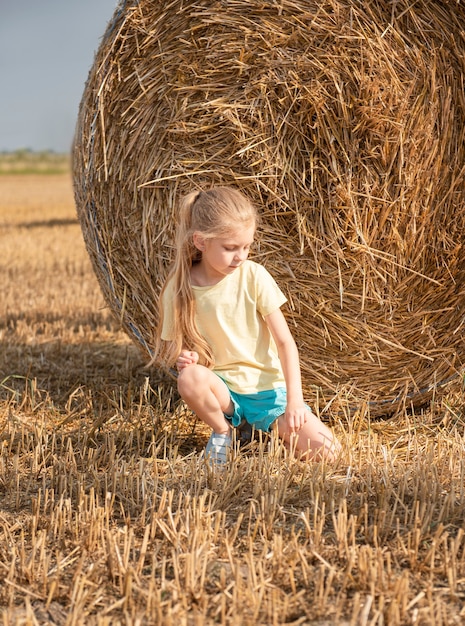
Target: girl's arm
296 411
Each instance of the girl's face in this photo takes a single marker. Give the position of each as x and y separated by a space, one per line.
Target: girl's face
222 255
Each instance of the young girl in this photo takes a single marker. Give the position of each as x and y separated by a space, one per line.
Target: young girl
221 326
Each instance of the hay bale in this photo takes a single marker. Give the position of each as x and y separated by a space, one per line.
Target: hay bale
345 123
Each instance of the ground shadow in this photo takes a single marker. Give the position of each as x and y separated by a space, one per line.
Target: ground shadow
62 354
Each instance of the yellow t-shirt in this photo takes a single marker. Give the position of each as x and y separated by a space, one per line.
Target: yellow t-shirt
230 316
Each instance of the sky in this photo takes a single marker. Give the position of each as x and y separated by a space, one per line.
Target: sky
47 48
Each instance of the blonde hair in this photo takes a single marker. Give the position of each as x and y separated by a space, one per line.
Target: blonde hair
216 212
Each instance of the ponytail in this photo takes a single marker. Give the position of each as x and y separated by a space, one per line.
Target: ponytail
214 213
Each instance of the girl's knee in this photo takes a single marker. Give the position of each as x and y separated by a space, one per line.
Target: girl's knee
314 442
192 379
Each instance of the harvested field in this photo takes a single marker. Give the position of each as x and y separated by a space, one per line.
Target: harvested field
108 515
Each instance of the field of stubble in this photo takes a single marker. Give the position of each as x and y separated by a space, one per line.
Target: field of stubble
109 516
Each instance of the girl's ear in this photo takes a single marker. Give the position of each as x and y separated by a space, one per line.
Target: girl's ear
199 241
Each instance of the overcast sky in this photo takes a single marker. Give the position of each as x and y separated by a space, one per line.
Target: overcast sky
47 48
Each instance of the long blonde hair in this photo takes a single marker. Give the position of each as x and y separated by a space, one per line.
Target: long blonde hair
216 212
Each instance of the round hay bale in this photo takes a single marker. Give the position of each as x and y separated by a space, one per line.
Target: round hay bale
343 121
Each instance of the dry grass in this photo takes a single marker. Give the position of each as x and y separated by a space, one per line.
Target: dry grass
109 516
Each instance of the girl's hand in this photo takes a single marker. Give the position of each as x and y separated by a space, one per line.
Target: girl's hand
186 358
296 416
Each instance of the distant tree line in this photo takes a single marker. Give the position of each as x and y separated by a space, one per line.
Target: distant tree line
26 161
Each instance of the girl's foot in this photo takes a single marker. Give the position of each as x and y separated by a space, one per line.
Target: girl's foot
217 449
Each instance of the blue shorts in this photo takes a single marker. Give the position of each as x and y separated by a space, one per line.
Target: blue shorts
259 409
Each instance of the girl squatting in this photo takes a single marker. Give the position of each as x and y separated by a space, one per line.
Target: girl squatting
222 327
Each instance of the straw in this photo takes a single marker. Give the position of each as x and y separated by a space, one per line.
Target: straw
343 121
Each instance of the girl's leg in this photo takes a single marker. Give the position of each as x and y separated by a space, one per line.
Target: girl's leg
207 396
314 440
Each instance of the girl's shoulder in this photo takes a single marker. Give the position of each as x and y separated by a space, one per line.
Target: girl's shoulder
255 274
254 268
